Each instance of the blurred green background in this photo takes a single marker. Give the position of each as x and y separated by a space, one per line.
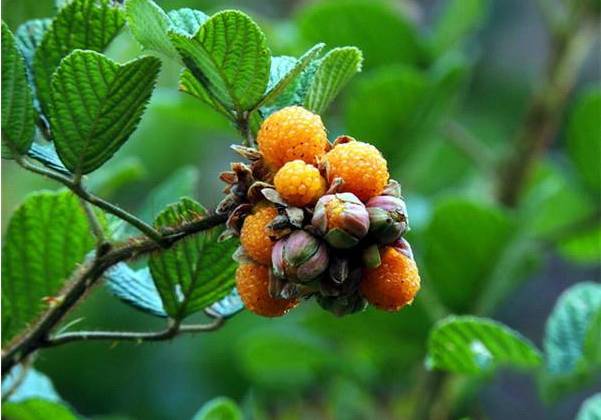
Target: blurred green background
427 84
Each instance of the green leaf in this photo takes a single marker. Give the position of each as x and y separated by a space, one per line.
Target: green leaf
584 138
590 408
96 105
36 409
283 77
220 408
552 201
582 247
409 108
29 36
149 25
471 345
229 56
462 245
572 340
190 85
112 178
458 19
82 24
47 236
17 101
334 71
388 122
284 358
362 23
195 272
181 183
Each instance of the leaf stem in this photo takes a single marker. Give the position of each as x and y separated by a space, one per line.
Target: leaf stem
95 226
471 147
568 52
80 191
166 334
242 122
87 276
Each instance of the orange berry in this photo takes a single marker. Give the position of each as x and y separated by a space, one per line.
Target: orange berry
393 284
292 133
252 282
299 183
360 165
254 235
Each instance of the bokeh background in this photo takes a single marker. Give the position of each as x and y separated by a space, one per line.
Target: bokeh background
418 110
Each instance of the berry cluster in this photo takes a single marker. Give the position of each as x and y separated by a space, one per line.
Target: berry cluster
317 220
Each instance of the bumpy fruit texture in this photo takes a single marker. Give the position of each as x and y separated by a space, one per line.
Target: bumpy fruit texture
292 133
254 235
299 183
252 282
393 284
361 167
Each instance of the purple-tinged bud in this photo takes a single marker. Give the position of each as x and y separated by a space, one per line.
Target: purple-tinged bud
342 219
387 218
299 257
403 247
392 188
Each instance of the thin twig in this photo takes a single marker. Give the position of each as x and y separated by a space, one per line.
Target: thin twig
551 12
101 243
544 113
86 276
471 147
163 335
243 124
78 189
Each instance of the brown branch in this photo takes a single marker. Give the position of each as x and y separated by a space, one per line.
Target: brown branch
86 276
75 186
542 118
163 335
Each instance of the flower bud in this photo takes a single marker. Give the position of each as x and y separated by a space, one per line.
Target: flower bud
387 218
341 218
299 257
342 305
403 247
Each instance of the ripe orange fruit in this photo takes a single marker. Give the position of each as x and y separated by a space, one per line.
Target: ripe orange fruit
292 133
360 165
299 183
252 282
254 235
393 284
